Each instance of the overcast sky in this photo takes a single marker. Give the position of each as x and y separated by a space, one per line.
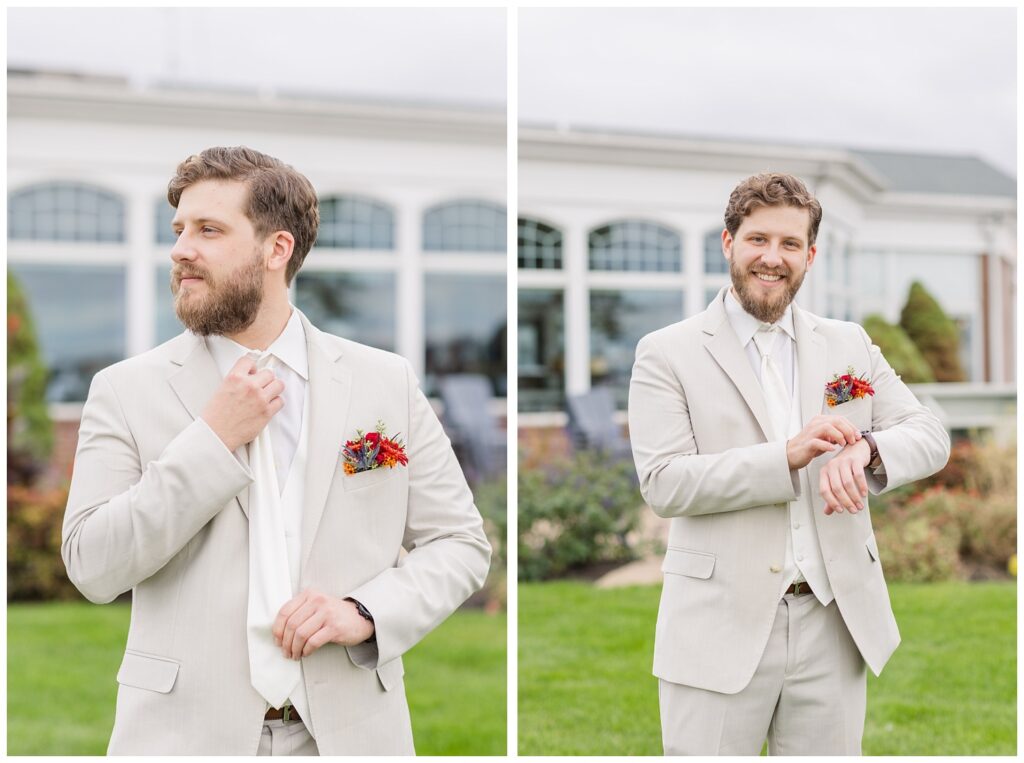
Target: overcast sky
926 79
410 54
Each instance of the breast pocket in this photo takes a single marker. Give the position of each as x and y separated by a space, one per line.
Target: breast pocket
368 478
857 412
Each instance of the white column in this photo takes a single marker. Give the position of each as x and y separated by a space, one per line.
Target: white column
140 281
693 269
577 311
409 308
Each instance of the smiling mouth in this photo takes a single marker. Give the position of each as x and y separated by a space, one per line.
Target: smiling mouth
768 277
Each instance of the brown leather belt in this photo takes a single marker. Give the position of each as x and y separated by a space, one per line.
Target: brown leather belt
286 713
799 588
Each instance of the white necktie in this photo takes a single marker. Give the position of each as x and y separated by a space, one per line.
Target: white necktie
272 674
776 396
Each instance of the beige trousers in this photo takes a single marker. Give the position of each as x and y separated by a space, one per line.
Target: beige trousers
291 738
807 697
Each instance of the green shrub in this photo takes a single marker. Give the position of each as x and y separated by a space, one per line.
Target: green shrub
898 349
575 514
29 431
492 500
935 334
915 549
35 569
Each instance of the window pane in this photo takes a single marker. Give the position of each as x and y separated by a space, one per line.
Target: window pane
464 226
79 312
635 245
352 222
618 320
714 260
356 306
540 245
541 339
164 215
465 327
65 212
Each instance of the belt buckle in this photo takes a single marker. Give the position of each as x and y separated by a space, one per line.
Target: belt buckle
286 713
796 588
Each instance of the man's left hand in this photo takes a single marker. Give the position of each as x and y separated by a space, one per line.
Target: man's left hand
313 619
842 483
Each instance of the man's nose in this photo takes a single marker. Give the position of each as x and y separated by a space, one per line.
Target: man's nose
773 256
183 250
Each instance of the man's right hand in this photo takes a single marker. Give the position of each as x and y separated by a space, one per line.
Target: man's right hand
823 434
243 404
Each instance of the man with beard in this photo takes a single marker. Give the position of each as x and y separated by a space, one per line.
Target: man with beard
760 429
252 482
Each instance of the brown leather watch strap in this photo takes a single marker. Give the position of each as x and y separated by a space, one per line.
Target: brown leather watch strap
874 461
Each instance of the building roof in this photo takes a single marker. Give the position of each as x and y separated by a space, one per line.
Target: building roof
936 173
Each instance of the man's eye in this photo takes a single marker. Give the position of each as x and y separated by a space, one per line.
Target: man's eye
208 229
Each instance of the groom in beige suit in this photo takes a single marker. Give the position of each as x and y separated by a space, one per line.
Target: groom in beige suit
773 600
271 597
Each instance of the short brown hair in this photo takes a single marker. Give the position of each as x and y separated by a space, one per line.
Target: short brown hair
280 198
771 189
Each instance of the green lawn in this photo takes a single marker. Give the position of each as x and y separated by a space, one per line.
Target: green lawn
62 660
585 683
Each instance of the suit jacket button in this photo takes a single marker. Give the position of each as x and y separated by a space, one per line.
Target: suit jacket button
775 568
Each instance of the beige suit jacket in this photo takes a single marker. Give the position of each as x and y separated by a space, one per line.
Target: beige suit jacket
698 424
159 506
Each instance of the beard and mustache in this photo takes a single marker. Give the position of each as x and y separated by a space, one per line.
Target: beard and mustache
230 304
767 309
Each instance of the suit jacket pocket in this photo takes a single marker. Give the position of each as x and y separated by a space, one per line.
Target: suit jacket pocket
144 671
368 478
858 411
390 673
872 548
694 564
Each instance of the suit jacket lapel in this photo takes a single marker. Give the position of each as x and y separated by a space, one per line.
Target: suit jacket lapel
194 381
723 344
812 362
330 385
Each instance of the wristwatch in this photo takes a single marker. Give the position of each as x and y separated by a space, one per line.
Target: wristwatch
365 614
875 460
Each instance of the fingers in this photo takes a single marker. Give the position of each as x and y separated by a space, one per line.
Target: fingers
282 617
293 623
849 433
316 641
822 446
312 624
243 366
842 486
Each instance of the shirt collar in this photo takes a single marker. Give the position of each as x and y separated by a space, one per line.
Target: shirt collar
289 348
746 325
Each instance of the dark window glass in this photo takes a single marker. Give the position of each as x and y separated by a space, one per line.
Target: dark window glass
164 215
618 320
79 315
65 212
464 226
354 222
465 327
635 245
356 306
541 339
540 245
714 260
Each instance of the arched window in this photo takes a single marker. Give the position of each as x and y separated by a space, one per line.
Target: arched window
714 260
540 245
65 212
466 225
355 222
635 245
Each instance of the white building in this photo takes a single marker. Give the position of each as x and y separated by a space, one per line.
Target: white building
411 255
619 234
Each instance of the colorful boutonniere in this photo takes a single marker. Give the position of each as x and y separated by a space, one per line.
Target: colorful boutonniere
373 450
843 389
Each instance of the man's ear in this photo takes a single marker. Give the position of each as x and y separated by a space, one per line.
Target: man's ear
282 245
727 244
810 255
